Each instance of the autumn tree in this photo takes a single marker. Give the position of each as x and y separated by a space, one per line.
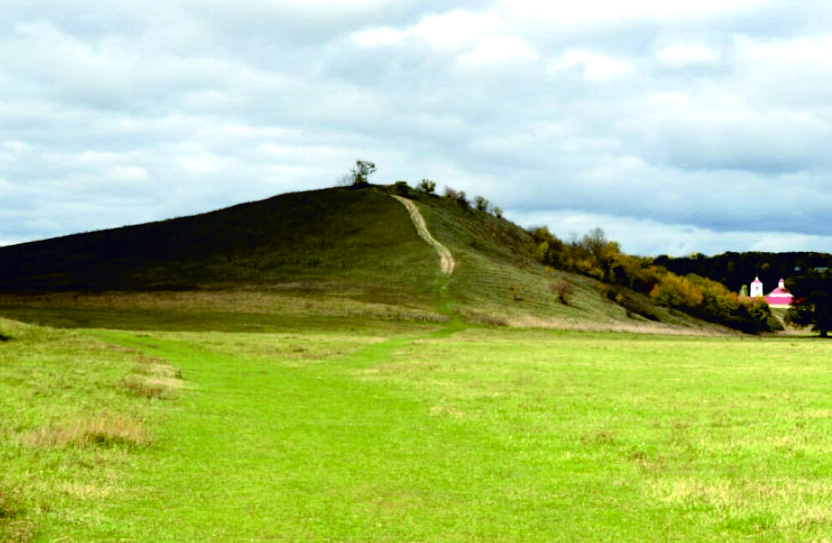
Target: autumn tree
603 251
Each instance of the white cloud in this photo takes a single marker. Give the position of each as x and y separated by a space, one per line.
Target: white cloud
378 36
446 32
128 174
682 55
653 238
614 12
596 67
499 49
454 29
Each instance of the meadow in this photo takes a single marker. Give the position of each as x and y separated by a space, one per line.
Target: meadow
411 432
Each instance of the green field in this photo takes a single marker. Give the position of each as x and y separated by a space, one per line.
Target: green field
402 432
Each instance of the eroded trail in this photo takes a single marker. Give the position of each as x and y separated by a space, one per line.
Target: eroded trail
446 259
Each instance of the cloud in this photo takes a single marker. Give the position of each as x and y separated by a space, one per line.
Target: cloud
595 67
593 13
687 55
499 49
654 238
708 120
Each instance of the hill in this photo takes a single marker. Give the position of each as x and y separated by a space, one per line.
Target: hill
336 254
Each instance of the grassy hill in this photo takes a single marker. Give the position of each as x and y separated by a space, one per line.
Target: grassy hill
332 254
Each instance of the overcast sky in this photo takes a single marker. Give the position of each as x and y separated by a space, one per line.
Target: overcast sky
677 127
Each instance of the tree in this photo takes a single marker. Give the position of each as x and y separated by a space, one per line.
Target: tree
481 203
427 186
813 294
457 196
360 174
602 250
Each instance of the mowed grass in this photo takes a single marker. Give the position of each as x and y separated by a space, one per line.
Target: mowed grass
426 434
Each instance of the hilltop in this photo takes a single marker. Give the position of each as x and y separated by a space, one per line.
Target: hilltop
336 254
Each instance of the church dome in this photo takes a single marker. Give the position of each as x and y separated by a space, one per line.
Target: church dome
780 296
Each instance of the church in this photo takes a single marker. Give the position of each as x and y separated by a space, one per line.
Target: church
779 297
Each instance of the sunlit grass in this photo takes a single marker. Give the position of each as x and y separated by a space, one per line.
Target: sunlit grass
394 432
69 431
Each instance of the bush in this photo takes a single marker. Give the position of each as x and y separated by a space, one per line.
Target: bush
564 290
401 188
457 196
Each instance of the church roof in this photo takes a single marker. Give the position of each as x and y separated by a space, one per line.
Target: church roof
781 291
780 295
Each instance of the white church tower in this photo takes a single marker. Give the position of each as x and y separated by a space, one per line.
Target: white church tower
756 287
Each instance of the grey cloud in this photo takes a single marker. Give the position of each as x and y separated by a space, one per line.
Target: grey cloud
114 113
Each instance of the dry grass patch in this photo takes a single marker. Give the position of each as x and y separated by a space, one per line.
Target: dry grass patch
153 379
795 501
103 430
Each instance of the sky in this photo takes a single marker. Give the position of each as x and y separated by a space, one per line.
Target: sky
676 127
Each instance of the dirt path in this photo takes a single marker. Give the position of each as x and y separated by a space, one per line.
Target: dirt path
446 259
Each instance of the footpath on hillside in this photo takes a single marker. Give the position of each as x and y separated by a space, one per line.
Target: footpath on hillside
446 259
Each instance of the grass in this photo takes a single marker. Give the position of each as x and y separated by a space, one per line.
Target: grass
421 433
69 432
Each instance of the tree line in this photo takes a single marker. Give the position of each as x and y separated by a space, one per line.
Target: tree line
808 276
596 256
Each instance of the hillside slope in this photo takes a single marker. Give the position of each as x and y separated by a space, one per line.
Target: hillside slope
318 235
335 253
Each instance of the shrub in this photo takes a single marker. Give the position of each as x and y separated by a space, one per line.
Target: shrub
401 188
457 196
563 290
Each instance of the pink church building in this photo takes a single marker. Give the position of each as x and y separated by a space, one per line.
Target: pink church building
779 297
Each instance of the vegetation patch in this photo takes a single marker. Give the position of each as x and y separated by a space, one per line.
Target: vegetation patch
152 378
104 430
14 526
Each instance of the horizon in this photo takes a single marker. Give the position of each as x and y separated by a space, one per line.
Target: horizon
571 237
